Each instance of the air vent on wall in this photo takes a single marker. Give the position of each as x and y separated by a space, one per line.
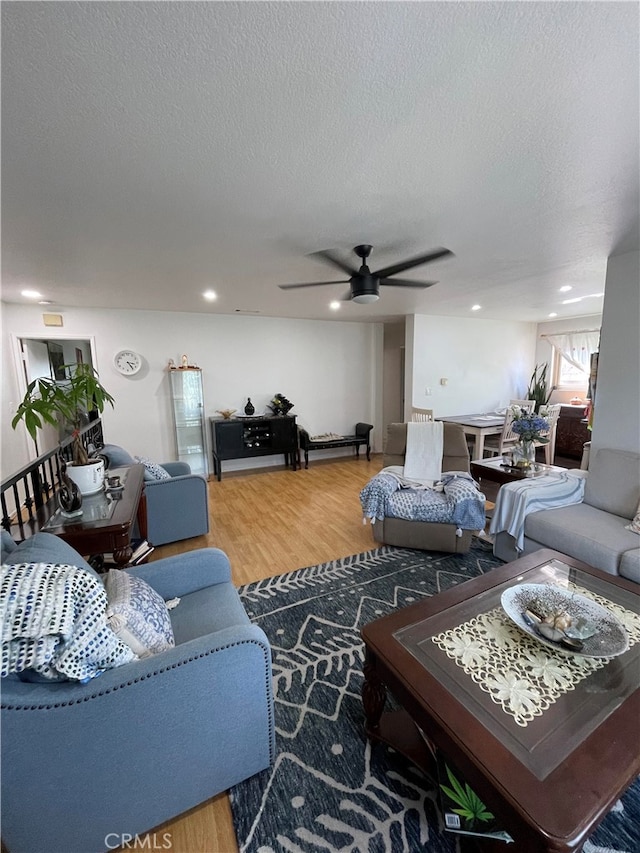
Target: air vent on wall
52 319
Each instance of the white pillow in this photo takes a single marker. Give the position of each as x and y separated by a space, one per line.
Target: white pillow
634 526
152 471
137 614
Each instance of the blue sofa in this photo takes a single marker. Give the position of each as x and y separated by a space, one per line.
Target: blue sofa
146 741
177 508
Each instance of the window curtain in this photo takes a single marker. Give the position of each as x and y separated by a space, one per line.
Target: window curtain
577 348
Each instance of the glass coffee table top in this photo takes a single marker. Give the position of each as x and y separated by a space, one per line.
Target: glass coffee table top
95 508
541 703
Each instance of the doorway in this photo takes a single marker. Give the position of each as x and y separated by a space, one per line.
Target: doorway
47 356
393 374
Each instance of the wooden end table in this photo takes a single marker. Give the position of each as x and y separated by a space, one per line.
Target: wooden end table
550 782
107 522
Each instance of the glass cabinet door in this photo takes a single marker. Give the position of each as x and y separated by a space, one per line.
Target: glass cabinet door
188 416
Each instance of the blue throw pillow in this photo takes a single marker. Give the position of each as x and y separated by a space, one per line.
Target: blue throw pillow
153 471
137 614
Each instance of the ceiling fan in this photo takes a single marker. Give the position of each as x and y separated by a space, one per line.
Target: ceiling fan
365 285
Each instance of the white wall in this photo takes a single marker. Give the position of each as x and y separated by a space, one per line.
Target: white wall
329 370
486 363
332 371
617 402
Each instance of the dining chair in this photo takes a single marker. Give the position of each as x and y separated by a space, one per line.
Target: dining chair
421 414
525 405
551 415
497 444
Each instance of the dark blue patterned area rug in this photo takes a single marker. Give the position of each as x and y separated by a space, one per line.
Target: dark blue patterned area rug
329 789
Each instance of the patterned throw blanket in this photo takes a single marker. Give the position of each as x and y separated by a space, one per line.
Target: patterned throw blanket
54 623
454 499
516 500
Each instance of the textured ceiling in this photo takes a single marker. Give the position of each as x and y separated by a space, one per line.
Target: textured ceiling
153 150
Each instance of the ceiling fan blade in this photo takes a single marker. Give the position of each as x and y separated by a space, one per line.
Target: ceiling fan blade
433 255
328 256
404 282
311 284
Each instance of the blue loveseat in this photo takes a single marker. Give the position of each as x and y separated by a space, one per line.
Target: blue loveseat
83 764
177 507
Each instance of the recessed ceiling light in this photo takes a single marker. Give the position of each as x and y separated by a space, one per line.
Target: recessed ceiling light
335 305
553 314
45 302
32 294
565 288
571 301
476 307
210 295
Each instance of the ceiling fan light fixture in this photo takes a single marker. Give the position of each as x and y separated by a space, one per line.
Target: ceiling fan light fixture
364 284
365 298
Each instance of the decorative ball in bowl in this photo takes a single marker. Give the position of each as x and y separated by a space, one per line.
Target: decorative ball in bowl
226 413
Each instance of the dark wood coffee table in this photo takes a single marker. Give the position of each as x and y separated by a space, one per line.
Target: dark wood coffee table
549 782
107 522
496 472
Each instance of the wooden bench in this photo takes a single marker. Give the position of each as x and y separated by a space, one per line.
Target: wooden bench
359 439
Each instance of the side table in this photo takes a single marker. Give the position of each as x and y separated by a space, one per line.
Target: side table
108 519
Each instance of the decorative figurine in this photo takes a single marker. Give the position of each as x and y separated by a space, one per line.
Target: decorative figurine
249 409
69 497
185 362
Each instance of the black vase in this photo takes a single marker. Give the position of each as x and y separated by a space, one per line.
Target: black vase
249 409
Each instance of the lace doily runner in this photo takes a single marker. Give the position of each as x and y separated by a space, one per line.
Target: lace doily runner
520 674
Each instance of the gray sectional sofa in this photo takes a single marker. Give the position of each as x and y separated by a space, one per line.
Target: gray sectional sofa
595 530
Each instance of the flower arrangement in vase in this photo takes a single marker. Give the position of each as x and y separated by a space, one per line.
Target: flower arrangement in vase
531 429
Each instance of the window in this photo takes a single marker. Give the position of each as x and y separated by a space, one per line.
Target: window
572 357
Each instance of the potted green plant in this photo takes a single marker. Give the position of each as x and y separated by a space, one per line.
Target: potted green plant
538 387
67 401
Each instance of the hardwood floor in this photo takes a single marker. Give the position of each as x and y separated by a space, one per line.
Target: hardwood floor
269 523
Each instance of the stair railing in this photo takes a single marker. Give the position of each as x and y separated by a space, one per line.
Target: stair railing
29 489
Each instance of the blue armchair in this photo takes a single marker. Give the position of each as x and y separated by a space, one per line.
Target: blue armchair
83 764
177 507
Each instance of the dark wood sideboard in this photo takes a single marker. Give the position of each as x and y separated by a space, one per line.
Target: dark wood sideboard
245 438
572 432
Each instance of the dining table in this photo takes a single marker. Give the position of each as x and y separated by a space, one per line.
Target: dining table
478 426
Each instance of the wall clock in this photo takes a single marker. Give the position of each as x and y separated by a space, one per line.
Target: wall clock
127 362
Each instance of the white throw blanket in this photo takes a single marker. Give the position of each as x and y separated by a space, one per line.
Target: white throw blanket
516 500
423 457
54 622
